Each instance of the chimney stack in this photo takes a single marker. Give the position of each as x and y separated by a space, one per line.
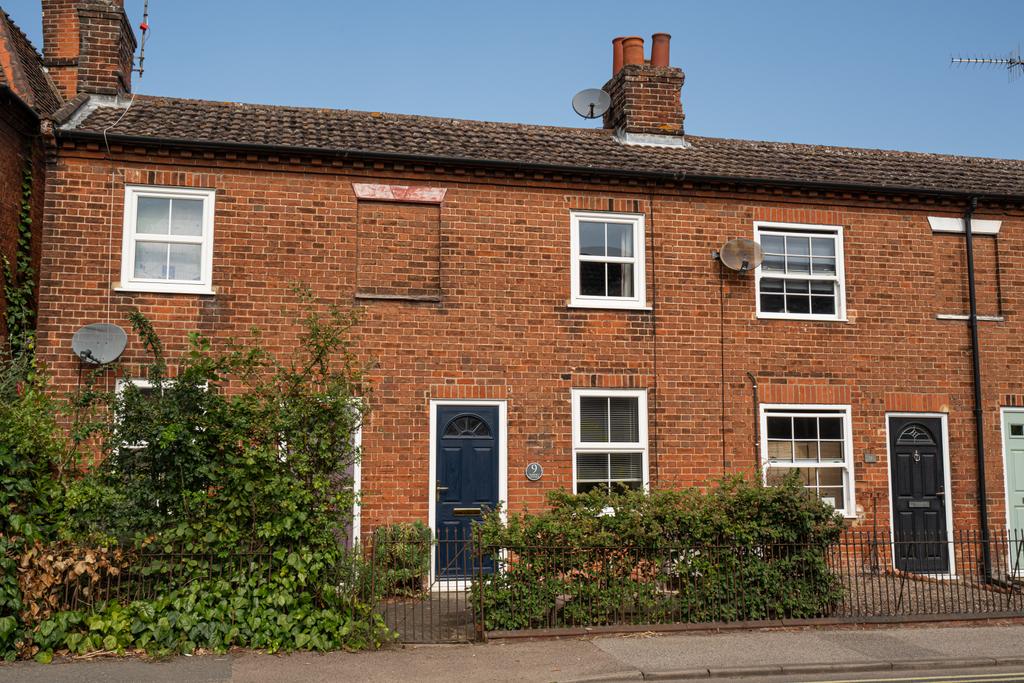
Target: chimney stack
88 46
646 96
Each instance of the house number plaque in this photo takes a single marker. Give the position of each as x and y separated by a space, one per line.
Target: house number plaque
534 471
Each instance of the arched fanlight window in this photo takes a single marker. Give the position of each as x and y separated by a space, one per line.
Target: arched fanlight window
467 427
915 435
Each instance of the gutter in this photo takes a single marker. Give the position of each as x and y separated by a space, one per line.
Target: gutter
678 176
979 415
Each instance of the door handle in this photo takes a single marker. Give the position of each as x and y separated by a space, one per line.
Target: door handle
438 490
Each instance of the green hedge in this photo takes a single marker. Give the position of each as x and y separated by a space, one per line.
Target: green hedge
739 552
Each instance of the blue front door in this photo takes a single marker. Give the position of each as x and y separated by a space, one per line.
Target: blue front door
467 481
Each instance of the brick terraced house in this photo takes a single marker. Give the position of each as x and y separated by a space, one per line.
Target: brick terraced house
544 301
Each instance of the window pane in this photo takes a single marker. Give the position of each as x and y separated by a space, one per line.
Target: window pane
797 286
780 428
592 466
593 419
592 278
625 419
830 476
583 487
805 427
805 450
620 239
822 287
798 264
833 497
773 244
831 427
631 485
798 245
185 262
825 266
832 450
627 466
774 262
776 475
620 279
780 450
153 214
773 303
823 246
798 304
151 260
823 305
592 238
187 217
771 284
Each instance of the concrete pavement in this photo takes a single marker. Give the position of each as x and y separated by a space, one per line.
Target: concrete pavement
755 655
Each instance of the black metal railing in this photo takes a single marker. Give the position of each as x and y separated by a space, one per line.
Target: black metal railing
863 576
447 586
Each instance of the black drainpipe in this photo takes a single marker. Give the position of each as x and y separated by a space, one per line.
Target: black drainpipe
979 420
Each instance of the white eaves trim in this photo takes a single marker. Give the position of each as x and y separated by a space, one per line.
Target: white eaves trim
978 226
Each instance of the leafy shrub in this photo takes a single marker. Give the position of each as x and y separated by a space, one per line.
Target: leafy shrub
739 552
32 448
401 556
234 467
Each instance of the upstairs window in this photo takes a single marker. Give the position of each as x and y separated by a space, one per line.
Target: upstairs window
609 439
608 260
168 240
801 276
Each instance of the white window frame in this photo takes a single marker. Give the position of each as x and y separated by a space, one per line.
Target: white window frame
849 509
639 300
579 446
130 283
839 278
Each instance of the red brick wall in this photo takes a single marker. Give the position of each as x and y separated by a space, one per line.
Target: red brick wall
646 100
19 148
88 46
503 330
399 246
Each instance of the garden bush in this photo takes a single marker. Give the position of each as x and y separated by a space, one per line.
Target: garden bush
401 558
741 551
221 502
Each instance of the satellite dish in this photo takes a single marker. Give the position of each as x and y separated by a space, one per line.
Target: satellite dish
591 103
99 343
741 254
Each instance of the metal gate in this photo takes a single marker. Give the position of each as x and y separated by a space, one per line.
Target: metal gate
423 582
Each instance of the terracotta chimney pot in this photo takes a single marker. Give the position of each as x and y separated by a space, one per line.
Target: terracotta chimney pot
633 50
617 54
659 49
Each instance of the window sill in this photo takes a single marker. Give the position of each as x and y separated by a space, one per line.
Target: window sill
150 289
802 318
608 306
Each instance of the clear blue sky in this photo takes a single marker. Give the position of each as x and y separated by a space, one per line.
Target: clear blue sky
867 74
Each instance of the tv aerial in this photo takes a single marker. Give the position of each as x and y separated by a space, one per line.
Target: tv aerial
99 343
591 103
1013 63
740 254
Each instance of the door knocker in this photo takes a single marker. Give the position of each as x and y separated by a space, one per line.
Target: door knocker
917 456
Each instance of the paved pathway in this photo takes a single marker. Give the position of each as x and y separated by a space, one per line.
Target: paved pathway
792 655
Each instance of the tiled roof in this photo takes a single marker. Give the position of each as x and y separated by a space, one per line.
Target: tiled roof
27 77
197 121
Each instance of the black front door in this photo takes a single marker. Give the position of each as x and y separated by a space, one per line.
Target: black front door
919 496
467 481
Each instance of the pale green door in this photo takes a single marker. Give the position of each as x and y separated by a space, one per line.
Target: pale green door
1013 445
